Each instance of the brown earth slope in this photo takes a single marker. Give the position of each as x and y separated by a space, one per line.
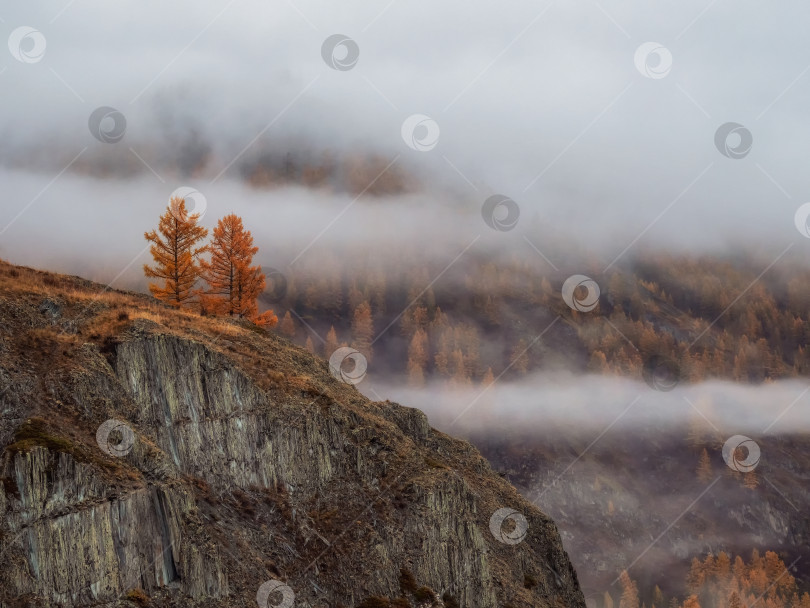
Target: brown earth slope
249 466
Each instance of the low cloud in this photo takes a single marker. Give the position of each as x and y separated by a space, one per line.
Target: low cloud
575 404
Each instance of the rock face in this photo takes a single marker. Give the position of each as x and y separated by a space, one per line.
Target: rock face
239 470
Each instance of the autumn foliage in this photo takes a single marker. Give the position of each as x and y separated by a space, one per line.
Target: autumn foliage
176 251
718 581
234 283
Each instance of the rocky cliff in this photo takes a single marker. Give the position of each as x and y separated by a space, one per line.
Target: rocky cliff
155 457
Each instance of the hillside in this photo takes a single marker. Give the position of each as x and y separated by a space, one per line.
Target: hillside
237 469
701 316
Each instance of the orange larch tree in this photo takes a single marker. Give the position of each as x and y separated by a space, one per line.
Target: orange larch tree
331 344
234 282
417 358
363 329
704 469
287 326
629 597
175 251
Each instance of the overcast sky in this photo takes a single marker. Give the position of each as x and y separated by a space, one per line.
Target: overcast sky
550 103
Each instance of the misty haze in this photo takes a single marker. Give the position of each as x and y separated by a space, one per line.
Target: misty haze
405 304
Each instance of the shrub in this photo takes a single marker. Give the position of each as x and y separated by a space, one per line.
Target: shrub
407 581
138 596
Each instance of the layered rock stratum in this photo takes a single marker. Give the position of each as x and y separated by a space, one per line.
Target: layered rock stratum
155 457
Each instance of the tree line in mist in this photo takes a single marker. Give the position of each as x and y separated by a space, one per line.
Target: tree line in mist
703 316
722 582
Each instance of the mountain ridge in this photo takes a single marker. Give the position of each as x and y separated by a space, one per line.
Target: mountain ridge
248 465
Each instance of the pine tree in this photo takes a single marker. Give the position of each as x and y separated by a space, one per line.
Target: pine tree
355 296
775 570
520 357
331 344
691 602
287 325
234 282
444 350
440 321
608 600
750 480
696 576
734 600
739 569
416 374
310 346
722 567
415 317
704 469
467 338
658 597
417 358
629 597
598 362
458 369
363 330
176 254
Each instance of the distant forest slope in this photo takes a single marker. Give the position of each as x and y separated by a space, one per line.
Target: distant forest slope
663 317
